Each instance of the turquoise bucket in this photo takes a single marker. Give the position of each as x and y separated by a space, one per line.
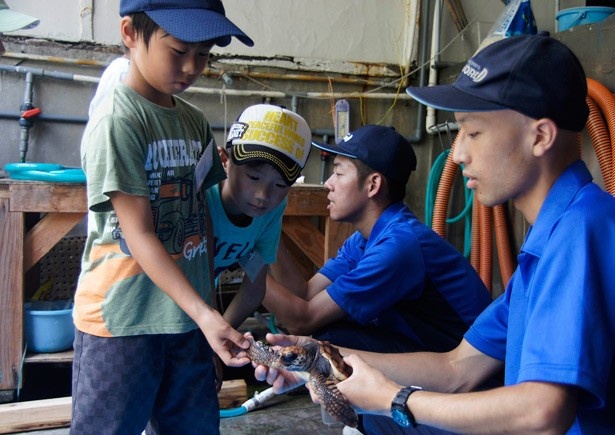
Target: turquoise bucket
49 325
568 18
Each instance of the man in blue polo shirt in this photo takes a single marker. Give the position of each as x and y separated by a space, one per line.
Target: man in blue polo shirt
520 104
395 285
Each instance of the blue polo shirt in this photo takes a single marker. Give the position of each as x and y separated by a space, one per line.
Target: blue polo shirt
556 320
408 279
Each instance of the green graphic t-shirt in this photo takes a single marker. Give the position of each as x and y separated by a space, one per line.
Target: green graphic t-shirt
136 147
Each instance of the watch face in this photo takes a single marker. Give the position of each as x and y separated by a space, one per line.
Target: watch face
400 417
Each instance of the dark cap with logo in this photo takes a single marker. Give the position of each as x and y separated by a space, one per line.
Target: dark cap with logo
535 75
381 148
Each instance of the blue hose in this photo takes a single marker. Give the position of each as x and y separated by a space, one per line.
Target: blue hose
234 412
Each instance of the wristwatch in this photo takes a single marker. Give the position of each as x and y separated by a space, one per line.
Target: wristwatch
399 411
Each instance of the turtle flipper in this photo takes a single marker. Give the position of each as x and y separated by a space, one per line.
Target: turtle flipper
333 400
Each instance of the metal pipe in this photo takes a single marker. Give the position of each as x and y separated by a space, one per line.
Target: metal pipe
51 74
420 111
308 95
211 72
433 62
25 122
216 91
83 120
56 59
48 118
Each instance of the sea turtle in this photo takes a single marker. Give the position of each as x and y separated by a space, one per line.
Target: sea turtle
325 368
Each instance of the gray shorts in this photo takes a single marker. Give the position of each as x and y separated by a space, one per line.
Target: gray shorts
122 383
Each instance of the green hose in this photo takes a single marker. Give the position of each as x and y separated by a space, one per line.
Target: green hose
430 198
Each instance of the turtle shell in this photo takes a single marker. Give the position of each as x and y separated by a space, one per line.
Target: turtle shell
324 365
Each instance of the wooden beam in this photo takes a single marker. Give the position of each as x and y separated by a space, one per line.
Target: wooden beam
11 295
48 197
233 393
46 234
50 413
336 234
35 415
307 200
302 232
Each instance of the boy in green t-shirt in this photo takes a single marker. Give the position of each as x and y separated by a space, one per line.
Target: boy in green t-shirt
145 330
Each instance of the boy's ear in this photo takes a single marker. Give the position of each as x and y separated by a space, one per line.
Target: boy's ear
223 153
127 31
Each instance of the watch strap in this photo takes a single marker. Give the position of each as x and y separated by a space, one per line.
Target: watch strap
399 409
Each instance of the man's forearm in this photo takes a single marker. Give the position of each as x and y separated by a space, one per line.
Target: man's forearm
288 308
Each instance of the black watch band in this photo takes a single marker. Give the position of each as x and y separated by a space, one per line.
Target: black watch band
399 411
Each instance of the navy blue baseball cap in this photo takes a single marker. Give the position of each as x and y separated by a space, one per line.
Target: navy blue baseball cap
381 148
535 75
189 20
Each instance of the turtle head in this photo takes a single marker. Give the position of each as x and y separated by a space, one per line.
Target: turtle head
299 358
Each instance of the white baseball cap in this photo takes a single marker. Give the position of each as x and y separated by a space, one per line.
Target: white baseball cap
271 134
11 20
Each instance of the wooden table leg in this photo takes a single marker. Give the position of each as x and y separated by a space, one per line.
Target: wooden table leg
12 228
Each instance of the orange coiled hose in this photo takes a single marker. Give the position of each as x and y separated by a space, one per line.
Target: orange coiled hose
475 251
443 193
605 101
482 226
601 141
485 269
503 243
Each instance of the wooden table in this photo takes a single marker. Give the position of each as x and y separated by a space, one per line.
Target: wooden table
62 206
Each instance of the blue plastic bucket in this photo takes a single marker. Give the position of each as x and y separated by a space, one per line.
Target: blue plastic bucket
49 326
568 18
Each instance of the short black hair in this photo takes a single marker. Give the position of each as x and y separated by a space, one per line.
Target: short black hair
396 191
144 26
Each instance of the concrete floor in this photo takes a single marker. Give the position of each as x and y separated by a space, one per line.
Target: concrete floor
292 413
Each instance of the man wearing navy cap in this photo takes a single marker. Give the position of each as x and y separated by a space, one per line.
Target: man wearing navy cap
395 285
145 327
520 104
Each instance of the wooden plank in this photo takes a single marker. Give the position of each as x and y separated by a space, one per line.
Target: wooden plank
233 393
35 415
307 200
46 234
12 228
336 234
48 197
303 233
51 413
56 357
301 261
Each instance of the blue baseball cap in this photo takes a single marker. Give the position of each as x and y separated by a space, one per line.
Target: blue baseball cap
535 75
189 20
379 147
